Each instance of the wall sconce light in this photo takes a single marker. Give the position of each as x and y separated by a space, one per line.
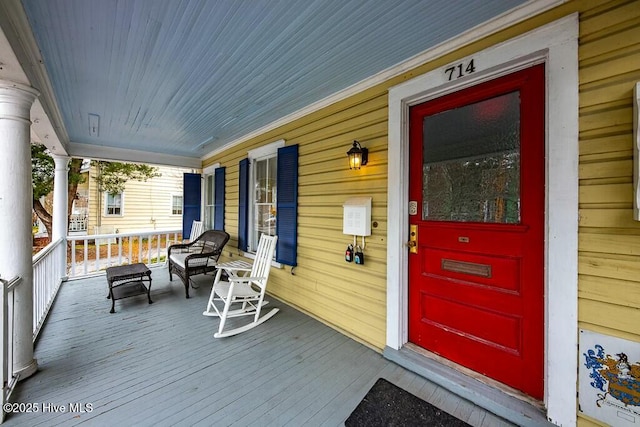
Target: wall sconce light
358 156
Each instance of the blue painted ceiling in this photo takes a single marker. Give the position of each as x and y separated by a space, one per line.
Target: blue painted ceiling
186 77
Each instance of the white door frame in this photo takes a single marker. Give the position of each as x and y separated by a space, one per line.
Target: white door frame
555 45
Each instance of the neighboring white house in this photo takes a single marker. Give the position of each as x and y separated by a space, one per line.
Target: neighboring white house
154 204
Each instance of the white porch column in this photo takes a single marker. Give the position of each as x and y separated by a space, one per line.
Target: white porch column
60 197
60 203
15 214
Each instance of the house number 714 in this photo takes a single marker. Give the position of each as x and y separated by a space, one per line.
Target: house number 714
459 70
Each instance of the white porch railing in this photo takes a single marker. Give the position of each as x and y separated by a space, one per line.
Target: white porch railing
48 274
91 255
50 269
59 261
7 306
149 247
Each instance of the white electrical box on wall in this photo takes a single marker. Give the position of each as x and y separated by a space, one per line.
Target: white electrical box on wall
357 216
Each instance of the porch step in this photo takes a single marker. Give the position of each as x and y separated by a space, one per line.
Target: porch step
493 400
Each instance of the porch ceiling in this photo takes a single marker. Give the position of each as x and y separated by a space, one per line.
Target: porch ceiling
185 78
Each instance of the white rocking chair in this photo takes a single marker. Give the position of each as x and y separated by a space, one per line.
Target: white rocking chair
245 288
197 228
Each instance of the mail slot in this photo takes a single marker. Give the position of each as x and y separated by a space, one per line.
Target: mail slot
472 268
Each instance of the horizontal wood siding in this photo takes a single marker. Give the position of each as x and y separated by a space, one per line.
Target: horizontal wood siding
94 212
609 238
147 205
353 298
349 297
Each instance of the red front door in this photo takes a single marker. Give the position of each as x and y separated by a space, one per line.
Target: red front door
476 275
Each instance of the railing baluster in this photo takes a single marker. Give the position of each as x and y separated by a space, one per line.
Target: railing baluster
95 244
109 262
86 255
159 236
163 246
73 258
119 250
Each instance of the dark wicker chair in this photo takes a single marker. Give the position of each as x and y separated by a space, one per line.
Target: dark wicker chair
197 257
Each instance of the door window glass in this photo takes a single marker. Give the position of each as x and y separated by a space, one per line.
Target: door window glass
471 162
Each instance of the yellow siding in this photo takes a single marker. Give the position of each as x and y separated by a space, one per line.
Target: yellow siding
353 298
609 239
147 205
95 213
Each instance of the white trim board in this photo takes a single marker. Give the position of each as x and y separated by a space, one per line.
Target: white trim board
100 152
210 169
555 45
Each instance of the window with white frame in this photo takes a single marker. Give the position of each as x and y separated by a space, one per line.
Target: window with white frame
114 204
213 197
263 191
176 205
209 197
268 199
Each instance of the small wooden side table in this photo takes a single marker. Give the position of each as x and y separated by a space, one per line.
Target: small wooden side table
128 280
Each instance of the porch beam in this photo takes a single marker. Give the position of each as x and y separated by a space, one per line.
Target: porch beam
16 203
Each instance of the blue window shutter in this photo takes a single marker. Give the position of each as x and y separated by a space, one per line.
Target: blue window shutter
218 220
287 205
243 205
191 190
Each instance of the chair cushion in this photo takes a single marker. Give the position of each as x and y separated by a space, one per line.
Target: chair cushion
179 260
241 289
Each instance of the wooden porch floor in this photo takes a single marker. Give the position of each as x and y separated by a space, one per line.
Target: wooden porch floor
159 365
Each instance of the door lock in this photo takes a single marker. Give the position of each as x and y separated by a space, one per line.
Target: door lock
413 239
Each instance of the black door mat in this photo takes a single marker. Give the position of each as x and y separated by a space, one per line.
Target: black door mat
388 405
